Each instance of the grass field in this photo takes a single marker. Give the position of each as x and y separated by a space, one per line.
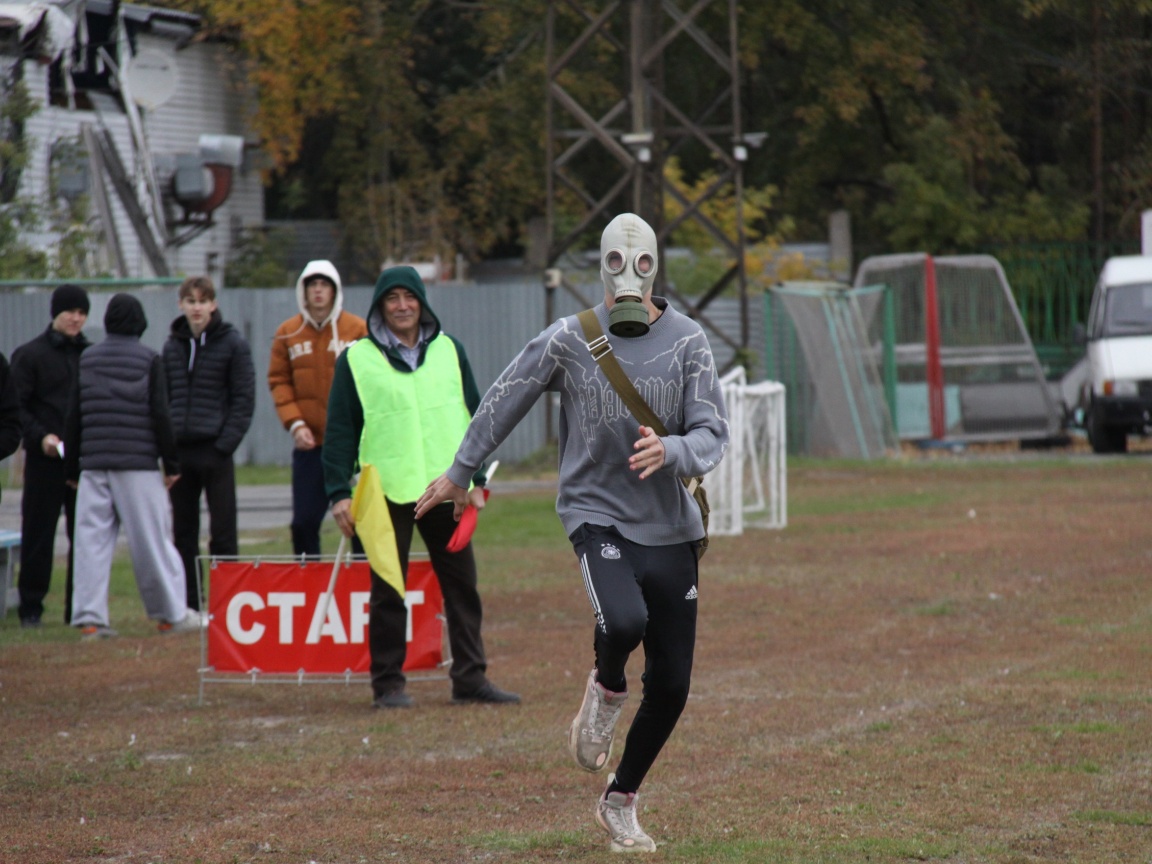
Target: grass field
944 659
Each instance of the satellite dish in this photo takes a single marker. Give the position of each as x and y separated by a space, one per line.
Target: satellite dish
151 78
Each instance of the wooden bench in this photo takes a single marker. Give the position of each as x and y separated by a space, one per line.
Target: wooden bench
9 558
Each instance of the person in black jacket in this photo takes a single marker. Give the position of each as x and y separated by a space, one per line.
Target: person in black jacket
9 412
212 393
44 371
118 432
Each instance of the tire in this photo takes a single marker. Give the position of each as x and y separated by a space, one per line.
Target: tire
1104 439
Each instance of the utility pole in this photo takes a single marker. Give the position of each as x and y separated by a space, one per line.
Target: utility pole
630 85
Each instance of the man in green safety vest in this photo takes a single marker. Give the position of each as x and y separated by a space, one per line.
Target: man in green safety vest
401 400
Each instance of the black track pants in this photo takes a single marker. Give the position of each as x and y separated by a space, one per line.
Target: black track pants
45 493
309 503
203 469
388 616
641 595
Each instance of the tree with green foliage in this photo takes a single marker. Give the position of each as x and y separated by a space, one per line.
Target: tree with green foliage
939 127
945 128
257 261
20 217
17 217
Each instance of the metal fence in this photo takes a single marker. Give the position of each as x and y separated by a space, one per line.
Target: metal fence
493 320
1052 284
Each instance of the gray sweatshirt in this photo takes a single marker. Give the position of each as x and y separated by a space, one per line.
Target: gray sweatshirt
672 368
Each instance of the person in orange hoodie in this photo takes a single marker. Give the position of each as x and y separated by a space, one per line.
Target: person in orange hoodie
304 352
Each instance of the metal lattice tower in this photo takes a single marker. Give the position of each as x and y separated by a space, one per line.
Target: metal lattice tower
627 91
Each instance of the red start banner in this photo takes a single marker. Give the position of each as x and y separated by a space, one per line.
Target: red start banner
271 617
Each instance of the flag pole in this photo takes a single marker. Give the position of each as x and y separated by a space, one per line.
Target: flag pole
332 580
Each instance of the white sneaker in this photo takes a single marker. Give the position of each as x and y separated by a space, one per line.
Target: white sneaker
590 736
616 814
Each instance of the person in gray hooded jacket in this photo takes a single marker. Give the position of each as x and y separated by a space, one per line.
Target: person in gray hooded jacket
117 435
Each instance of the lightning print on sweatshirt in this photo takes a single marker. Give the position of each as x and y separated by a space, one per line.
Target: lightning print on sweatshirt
673 369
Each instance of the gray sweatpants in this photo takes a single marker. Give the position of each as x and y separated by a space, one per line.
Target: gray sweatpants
138 501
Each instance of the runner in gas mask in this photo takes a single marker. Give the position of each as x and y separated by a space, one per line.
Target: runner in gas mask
633 524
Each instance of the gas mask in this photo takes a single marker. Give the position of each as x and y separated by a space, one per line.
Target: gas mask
628 267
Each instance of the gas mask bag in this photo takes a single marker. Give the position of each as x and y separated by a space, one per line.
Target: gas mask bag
628 267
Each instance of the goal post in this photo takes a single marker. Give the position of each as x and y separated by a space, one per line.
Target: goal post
749 488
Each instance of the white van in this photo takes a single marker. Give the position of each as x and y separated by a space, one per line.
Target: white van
1117 398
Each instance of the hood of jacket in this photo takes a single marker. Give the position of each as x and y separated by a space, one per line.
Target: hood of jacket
400 277
328 270
57 340
125 316
216 324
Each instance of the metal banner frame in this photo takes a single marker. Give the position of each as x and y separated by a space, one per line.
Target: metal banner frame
419 569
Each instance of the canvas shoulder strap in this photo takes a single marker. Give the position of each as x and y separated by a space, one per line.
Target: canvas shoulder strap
601 352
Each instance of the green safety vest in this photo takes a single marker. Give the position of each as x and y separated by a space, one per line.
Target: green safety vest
413 421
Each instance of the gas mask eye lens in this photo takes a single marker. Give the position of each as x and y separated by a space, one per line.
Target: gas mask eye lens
614 261
644 264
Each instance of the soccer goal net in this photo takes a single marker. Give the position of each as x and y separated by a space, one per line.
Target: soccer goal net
966 369
749 488
845 412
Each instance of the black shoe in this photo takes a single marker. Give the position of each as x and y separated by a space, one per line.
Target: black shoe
32 622
487 693
393 699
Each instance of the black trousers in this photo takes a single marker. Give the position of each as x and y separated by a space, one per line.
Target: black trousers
641 595
203 470
45 494
388 616
309 501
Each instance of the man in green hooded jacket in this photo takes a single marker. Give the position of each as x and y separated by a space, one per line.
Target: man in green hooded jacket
401 400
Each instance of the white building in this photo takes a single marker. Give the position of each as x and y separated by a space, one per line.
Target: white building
144 119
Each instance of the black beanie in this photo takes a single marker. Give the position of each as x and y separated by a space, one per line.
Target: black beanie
125 316
68 297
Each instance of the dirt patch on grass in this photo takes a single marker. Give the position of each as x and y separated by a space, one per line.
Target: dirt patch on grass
939 659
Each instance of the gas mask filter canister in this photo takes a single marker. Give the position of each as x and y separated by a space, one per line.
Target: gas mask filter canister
628 267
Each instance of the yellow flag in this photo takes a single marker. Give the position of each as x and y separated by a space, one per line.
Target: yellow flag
374 528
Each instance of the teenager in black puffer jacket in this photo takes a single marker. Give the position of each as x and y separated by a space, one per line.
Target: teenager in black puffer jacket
117 433
212 393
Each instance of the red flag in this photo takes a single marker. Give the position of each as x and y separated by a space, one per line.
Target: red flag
466 527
